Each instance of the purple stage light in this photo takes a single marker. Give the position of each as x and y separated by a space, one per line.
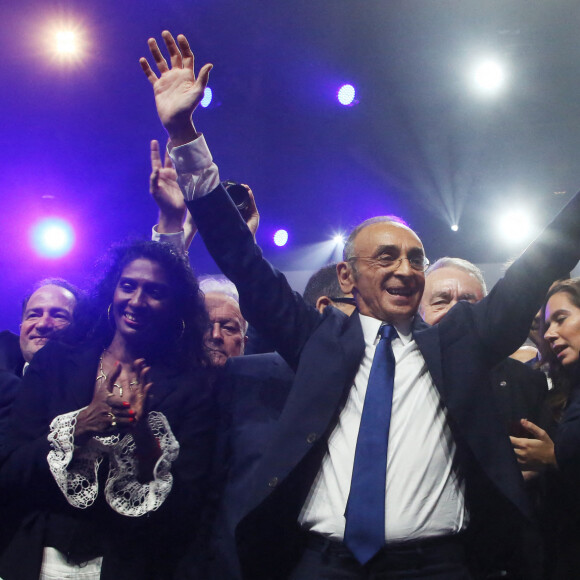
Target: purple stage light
52 237
346 95
207 97
281 237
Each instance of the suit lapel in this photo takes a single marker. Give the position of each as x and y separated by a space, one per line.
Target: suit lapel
314 402
427 339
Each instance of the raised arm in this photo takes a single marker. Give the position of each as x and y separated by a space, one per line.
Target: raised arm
177 90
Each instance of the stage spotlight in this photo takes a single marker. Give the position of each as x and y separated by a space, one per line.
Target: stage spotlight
454 227
66 42
207 96
281 238
52 237
515 226
346 95
489 77
338 239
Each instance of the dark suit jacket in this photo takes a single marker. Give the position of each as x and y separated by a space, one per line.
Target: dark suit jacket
326 350
520 392
59 380
252 393
10 354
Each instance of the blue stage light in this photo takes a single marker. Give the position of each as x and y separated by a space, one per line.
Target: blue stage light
346 95
52 237
281 237
207 97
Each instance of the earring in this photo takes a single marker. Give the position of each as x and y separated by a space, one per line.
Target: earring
111 321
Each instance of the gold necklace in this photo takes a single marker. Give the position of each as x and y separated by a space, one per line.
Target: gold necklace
104 377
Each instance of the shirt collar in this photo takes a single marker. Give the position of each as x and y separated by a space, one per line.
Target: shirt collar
371 326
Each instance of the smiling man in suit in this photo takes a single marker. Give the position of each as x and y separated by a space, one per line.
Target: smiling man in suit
448 468
46 310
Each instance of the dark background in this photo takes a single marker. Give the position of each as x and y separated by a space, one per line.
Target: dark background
420 143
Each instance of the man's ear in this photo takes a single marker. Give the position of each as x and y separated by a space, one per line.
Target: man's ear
322 303
345 277
244 343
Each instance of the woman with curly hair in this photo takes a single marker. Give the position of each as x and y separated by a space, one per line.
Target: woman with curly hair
112 432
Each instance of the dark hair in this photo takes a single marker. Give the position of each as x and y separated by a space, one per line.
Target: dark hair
182 345
563 378
76 292
322 283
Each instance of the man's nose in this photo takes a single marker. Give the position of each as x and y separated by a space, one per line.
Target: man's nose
216 331
45 322
403 267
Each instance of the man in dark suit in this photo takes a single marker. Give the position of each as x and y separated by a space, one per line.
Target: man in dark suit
450 467
519 390
253 392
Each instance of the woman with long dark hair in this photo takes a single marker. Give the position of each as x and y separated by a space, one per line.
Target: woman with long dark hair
557 457
112 431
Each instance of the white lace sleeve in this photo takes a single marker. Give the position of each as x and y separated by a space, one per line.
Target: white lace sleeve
123 491
75 471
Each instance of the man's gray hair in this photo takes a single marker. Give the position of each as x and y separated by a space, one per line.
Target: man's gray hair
222 285
219 284
459 264
348 250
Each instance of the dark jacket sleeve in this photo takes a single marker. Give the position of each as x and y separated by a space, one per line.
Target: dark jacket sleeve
503 318
567 439
279 313
24 466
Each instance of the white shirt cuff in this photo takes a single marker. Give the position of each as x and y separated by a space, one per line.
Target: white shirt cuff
197 174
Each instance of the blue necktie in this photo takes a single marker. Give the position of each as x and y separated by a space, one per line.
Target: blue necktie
364 533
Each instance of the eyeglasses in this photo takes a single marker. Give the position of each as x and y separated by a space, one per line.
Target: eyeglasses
419 263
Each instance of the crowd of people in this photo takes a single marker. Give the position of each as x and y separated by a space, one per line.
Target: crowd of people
382 425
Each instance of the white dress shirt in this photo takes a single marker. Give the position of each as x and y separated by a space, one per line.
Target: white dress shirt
424 495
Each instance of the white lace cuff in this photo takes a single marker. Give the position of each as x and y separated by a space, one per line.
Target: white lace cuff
75 470
123 491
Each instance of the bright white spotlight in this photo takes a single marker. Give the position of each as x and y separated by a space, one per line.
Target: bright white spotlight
66 42
52 237
515 226
346 95
338 239
207 97
281 237
454 227
489 77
